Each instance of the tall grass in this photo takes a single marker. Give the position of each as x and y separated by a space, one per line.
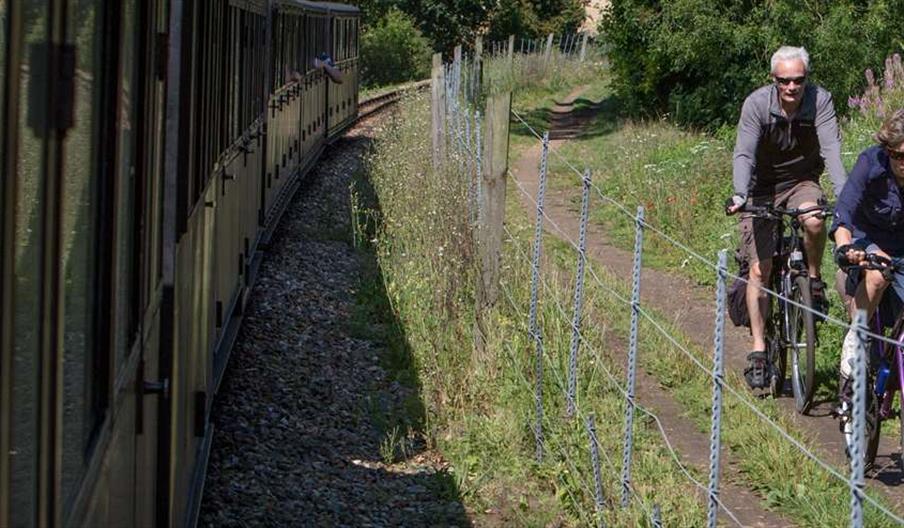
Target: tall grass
480 408
681 178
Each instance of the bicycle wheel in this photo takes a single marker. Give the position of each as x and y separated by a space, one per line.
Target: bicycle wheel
872 429
898 334
778 359
901 434
802 341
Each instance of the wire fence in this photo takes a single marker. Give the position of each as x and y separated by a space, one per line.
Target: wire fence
464 82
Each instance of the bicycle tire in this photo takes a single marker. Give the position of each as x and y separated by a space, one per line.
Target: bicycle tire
901 434
802 342
779 360
898 333
873 427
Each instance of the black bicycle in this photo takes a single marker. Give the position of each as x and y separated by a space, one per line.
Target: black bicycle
885 370
792 327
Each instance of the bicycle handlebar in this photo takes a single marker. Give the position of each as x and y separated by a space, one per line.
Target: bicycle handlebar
873 261
771 212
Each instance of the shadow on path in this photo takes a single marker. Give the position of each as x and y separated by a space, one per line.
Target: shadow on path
320 419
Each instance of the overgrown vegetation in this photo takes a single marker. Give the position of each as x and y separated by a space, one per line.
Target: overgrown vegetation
480 408
450 23
393 50
396 33
696 60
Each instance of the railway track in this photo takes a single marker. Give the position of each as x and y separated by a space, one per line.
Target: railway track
374 104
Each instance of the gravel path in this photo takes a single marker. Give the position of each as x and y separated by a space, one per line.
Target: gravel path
301 416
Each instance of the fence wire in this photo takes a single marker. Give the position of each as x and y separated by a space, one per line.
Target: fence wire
739 396
461 108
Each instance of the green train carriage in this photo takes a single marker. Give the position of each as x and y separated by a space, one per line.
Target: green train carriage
148 149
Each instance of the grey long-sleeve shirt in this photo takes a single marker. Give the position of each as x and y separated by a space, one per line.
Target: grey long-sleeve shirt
772 153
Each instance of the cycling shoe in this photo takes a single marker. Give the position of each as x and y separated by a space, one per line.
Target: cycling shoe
757 372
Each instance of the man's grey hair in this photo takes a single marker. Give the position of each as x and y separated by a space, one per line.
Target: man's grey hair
786 53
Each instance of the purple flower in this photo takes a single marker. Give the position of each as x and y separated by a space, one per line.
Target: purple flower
854 102
870 78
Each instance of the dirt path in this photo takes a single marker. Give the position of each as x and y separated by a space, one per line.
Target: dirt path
690 309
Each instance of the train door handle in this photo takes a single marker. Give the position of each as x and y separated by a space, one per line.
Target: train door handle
156 387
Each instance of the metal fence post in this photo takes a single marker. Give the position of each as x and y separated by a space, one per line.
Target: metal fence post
715 439
657 516
859 422
538 397
471 174
632 359
478 147
578 296
538 234
534 291
597 475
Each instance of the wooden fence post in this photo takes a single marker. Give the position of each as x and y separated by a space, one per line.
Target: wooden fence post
511 48
492 204
438 107
478 67
548 51
583 46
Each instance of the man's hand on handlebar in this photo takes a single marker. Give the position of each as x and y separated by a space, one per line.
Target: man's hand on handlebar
734 204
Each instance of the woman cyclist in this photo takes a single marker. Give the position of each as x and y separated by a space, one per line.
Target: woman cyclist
869 218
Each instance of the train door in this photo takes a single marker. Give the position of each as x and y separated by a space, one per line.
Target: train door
76 140
150 385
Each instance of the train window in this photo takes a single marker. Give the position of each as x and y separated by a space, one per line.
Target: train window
129 105
84 384
235 54
28 237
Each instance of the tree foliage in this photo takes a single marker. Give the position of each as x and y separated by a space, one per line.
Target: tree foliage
697 59
535 18
448 23
445 23
393 50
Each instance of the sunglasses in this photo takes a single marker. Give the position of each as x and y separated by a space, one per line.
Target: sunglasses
895 154
785 81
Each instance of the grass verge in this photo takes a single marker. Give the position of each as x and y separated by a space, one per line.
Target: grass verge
480 407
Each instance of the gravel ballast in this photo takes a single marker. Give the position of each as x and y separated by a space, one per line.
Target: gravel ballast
301 416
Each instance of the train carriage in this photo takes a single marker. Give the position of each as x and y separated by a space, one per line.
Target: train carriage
149 148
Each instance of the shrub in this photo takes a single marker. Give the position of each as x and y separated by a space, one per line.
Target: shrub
696 60
531 19
394 51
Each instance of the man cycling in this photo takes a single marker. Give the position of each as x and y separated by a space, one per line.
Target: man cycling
787 135
869 218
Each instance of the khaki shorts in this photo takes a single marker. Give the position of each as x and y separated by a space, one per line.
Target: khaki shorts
759 236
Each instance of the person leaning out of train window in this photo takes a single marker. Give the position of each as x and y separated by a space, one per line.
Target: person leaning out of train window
869 218
325 62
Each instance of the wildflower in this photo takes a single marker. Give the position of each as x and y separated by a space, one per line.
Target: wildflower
854 102
870 77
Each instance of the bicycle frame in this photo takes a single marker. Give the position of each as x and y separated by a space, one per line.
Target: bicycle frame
789 265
